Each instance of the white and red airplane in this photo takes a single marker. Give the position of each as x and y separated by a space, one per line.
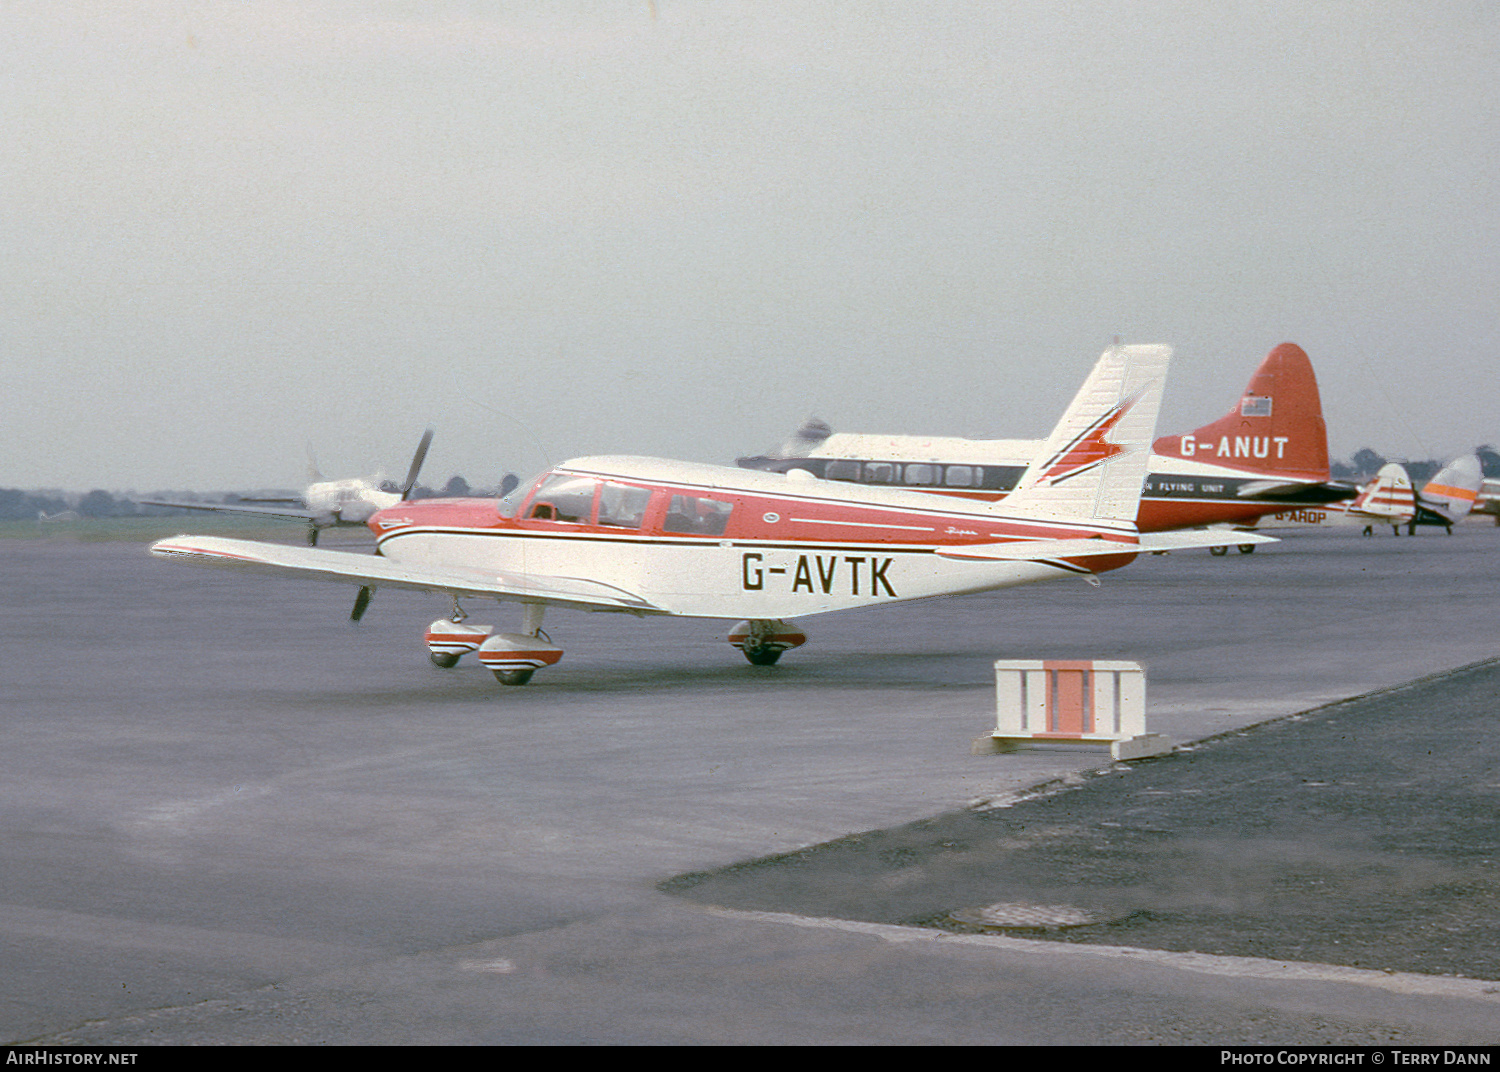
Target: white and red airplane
1267 455
1391 499
324 503
650 536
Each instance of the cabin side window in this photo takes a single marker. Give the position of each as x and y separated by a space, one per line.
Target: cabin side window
697 516
880 473
842 470
921 475
623 506
564 498
961 476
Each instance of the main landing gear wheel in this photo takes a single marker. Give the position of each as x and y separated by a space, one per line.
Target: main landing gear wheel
1247 549
762 640
449 639
1218 552
514 657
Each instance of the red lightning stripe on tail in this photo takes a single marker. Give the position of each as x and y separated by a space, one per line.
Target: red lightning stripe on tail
1088 449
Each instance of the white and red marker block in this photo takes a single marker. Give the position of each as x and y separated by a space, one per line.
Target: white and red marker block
1061 702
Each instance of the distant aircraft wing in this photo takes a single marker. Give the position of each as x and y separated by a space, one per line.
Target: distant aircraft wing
372 571
1042 550
290 511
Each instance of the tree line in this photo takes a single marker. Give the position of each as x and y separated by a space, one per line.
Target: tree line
1366 462
19 505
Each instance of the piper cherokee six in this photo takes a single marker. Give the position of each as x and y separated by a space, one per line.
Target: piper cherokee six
652 536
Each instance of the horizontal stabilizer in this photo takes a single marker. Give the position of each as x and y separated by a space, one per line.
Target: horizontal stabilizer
1187 539
1039 550
1272 489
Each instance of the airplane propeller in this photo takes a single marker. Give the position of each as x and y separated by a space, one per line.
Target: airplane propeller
416 465
362 600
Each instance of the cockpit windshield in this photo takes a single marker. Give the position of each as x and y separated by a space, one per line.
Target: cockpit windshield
512 502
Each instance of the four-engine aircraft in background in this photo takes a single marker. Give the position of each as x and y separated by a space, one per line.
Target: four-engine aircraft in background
1267 455
324 503
648 536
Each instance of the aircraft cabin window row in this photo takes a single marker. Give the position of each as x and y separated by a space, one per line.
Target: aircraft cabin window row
915 474
573 499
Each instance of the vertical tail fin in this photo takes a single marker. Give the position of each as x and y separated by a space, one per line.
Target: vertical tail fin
1451 494
1276 426
1389 496
1094 462
313 475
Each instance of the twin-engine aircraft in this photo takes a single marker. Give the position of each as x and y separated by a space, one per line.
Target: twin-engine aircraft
1267 455
324 503
1391 499
649 536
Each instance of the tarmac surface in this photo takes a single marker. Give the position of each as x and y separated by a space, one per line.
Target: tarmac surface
229 816
1353 835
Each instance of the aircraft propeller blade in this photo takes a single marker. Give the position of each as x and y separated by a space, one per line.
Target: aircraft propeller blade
416 464
361 603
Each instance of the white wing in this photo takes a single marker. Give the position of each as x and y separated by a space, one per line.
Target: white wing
288 511
372 571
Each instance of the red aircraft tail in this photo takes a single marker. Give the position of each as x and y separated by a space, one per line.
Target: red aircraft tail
1276 427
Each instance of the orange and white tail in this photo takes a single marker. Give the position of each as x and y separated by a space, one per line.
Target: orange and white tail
1451 494
1277 425
1093 464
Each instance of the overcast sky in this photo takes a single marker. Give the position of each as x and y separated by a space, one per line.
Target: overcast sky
679 228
